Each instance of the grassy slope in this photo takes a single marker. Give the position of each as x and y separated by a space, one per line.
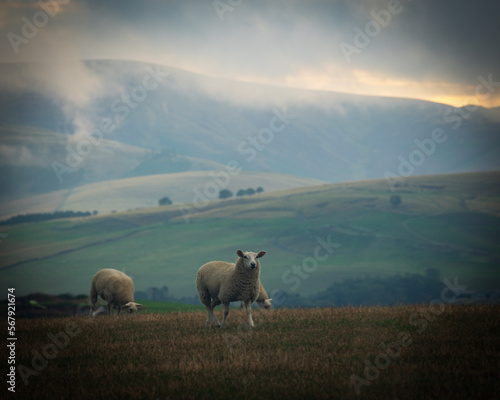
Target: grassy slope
291 354
448 222
145 191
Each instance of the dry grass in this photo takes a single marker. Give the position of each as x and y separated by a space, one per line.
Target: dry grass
291 354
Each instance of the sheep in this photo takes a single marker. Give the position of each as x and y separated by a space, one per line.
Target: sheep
114 287
262 301
223 282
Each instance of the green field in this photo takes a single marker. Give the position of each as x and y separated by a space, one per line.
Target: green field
41 305
450 223
155 307
426 351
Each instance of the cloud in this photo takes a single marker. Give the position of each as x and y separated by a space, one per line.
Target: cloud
437 49
55 66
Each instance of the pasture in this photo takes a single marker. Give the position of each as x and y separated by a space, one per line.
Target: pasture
426 351
448 222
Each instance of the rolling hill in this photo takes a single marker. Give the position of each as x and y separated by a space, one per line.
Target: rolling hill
28 154
196 187
315 236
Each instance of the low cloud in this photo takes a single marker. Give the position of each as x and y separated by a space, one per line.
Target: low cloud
436 49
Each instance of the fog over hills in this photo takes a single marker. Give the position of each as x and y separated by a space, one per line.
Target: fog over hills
139 119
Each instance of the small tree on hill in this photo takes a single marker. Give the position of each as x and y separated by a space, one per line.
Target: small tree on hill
395 200
164 201
225 194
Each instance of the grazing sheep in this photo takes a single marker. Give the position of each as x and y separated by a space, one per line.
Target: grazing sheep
114 287
262 301
223 282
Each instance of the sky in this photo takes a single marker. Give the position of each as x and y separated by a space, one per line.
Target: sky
438 50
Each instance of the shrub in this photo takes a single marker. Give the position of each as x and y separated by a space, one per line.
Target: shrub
395 200
164 201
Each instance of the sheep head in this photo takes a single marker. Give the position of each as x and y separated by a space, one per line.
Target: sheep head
264 304
249 258
130 307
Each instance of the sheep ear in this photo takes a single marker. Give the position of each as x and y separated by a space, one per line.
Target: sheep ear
239 253
261 254
130 304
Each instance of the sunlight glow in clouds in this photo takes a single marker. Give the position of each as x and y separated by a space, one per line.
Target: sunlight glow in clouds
428 50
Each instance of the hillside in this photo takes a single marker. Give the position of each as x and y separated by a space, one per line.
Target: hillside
28 154
144 191
411 352
448 224
190 121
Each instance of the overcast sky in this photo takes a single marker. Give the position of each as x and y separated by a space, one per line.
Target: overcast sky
432 49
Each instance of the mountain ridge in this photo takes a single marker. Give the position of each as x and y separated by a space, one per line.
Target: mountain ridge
331 137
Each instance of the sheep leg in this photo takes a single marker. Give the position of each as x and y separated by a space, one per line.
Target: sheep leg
248 306
109 309
211 317
93 300
215 302
226 312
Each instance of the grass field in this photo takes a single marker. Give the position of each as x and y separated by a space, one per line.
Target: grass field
40 305
155 307
450 223
428 351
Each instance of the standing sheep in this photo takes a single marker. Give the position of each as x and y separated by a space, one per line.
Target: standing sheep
262 301
114 287
223 282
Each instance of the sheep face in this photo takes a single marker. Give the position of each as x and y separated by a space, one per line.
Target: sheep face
264 304
250 259
130 307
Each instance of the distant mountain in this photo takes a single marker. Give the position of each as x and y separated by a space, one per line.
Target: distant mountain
149 119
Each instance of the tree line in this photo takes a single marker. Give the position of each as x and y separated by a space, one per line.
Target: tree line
223 194
226 193
38 217
369 291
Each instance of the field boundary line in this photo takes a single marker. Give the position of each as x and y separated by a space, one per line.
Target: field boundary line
72 250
